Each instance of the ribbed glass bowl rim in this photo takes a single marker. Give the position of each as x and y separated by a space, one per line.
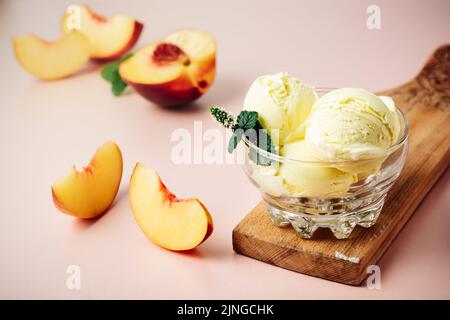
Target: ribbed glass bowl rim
277 158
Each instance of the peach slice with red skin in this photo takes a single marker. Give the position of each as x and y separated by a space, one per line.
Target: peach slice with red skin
89 193
51 60
169 222
174 71
109 38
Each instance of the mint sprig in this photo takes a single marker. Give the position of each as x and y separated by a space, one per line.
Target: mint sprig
110 73
225 118
246 125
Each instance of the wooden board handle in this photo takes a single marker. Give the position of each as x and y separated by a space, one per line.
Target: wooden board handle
431 86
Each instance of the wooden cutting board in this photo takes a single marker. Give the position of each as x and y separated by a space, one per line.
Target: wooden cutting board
426 102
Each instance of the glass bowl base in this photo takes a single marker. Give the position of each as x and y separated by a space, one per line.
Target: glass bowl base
341 225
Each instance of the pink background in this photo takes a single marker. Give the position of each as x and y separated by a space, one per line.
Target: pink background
46 127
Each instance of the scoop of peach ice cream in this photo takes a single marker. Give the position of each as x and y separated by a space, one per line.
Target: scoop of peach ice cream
350 124
283 103
311 179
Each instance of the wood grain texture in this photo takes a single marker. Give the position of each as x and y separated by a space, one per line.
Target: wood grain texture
426 102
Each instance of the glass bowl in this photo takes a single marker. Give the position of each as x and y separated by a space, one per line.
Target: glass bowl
339 209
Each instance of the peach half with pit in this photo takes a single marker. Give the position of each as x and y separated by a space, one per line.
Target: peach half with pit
174 71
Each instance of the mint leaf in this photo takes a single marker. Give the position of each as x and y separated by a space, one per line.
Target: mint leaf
225 118
118 86
111 74
247 120
264 142
109 71
236 137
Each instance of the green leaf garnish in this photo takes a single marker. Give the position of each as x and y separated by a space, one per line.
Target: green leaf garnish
246 125
247 120
234 140
225 118
110 73
263 141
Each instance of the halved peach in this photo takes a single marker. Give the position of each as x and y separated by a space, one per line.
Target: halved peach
171 223
110 38
51 60
90 192
175 71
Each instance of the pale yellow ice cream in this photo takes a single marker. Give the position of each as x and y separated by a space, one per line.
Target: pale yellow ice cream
283 103
350 124
350 128
269 182
389 102
308 179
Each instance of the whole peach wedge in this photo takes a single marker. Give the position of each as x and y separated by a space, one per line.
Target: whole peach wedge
50 60
109 38
90 192
171 223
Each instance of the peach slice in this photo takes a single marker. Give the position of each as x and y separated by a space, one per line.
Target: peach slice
52 60
171 223
175 71
110 38
89 193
